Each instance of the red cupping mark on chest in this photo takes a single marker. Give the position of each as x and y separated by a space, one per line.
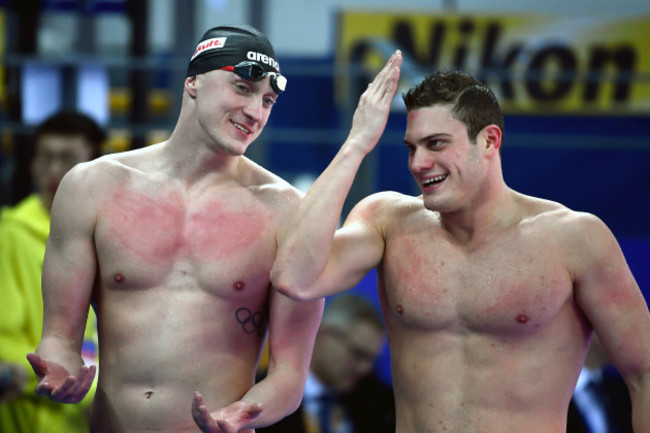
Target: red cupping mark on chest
214 232
157 228
148 227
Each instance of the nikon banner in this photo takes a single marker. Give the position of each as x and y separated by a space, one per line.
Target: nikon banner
534 63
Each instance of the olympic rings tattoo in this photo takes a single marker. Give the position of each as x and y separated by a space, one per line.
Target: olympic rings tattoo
251 322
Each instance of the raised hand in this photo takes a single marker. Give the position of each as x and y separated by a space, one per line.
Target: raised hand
371 115
236 417
57 383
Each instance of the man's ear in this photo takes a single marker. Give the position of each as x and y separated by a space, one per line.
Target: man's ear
492 137
191 85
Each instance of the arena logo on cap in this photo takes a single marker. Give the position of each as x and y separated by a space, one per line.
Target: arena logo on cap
263 58
209 44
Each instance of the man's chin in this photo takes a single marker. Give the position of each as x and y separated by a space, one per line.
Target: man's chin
434 205
237 150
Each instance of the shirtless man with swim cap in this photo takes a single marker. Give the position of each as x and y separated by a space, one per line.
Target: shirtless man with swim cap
172 245
489 296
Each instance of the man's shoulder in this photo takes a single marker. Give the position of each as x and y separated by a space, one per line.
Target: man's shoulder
88 185
551 212
567 224
389 207
259 180
108 168
392 201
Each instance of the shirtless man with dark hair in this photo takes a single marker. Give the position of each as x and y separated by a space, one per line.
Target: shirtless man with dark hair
489 296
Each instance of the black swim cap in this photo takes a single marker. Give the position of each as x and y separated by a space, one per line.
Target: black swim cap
229 45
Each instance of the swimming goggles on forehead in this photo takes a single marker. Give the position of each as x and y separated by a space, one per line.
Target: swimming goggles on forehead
252 71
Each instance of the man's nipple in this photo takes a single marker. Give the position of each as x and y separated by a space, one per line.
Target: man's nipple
118 277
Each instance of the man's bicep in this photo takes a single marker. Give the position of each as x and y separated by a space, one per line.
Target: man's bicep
357 249
612 301
69 266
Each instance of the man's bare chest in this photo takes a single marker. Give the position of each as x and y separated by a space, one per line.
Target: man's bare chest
513 284
159 236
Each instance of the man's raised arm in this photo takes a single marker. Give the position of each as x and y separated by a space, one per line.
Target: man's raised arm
310 262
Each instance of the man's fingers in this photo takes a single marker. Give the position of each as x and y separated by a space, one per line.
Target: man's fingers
77 386
255 410
384 85
60 391
82 384
37 364
242 419
201 415
197 401
391 75
390 63
395 61
73 388
391 85
88 379
197 406
76 392
43 388
224 427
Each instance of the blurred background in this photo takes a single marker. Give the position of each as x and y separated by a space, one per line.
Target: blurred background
573 78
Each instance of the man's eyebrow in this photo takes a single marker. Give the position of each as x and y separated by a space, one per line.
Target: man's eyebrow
428 137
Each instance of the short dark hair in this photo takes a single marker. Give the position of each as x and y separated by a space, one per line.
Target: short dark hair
73 123
473 102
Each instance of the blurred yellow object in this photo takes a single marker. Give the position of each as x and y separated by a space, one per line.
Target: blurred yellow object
158 101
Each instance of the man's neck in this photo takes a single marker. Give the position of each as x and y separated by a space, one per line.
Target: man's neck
193 162
487 215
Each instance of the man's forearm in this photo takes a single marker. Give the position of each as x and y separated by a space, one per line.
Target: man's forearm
641 405
62 351
304 245
279 394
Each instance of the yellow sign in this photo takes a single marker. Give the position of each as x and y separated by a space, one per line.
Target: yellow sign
534 63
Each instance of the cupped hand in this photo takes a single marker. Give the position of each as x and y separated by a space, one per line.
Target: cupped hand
57 383
236 417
